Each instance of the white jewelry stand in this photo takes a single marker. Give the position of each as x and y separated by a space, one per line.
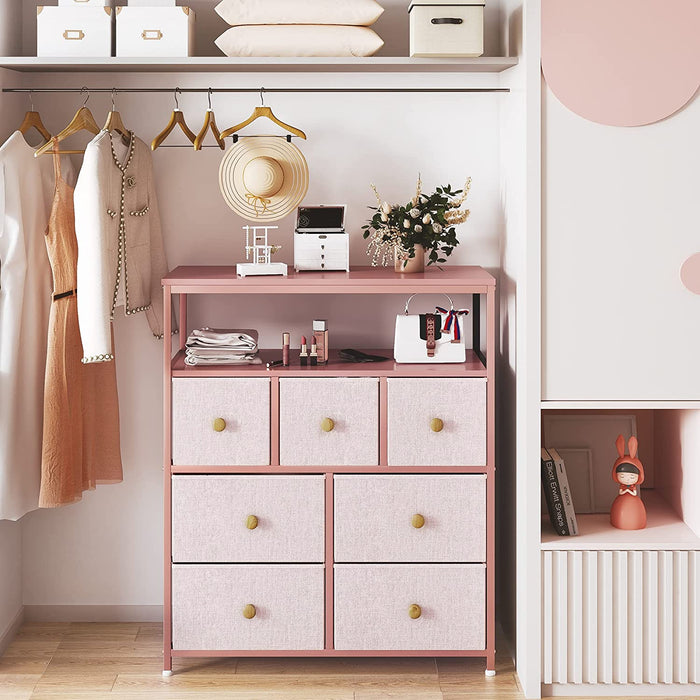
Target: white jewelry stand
259 250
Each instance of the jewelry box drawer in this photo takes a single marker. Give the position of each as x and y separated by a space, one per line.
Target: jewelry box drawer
330 421
222 518
221 421
410 518
436 422
232 607
407 606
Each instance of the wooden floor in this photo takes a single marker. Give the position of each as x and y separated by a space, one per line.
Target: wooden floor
123 661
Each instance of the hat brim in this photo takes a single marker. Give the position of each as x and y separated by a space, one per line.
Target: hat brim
294 167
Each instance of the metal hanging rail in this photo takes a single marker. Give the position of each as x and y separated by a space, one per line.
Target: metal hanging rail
40 90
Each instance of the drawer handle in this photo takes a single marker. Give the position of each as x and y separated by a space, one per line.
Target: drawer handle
436 425
414 611
74 35
151 35
219 425
417 521
251 522
249 611
327 424
446 20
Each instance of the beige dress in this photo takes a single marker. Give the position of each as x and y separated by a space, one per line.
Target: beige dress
80 446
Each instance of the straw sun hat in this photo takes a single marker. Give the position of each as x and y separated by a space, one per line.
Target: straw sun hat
263 178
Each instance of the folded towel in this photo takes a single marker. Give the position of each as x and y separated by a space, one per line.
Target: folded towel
246 339
223 360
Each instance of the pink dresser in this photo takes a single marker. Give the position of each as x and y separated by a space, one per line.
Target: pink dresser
374 538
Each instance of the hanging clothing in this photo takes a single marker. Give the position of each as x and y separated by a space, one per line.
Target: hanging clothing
26 191
120 241
81 409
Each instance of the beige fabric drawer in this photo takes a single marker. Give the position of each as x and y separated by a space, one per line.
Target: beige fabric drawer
211 523
244 406
461 406
352 405
374 518
372 606
208 603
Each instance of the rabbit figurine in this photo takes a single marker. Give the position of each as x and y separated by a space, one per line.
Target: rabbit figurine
628 511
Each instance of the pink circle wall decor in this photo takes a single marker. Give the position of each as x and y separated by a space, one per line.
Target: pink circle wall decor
690 273
621 62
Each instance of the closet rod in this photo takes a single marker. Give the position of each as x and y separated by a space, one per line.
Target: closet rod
255 90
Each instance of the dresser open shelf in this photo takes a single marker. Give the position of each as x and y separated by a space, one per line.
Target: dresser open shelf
242 440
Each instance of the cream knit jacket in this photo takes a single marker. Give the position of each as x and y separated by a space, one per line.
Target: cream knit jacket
120 242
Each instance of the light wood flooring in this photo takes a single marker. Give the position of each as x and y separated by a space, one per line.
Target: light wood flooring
122 661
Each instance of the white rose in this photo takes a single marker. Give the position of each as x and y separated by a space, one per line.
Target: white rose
417 228
437 228
415 213
386 208
406 223
385 218
427 219
414 201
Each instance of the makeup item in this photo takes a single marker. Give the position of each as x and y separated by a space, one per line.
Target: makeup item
285 349
274 363
320 328
303 355
313 356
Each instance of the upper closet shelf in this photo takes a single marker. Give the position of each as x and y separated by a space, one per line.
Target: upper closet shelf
382 64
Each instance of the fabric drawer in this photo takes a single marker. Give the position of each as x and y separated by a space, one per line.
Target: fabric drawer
351 435
457 438
248 518
373 606
231 607
410 518
221 421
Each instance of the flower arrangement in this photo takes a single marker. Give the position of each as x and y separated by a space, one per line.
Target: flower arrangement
427 220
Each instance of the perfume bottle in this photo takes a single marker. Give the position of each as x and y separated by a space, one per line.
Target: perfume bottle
320 329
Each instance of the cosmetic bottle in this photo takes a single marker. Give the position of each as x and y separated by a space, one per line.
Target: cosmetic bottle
303 355
313 355
320 329
285 349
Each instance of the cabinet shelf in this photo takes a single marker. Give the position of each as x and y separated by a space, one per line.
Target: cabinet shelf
665 530
222 64
473 367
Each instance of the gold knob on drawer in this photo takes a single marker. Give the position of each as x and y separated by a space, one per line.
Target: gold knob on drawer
436 425
327 424
417 520
414 611
219 425
251 522
249 611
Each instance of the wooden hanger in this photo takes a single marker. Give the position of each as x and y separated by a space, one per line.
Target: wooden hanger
82 121
114 122
177 118
263 111
32 120
209 123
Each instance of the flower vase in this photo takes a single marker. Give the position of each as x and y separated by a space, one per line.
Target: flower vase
407 265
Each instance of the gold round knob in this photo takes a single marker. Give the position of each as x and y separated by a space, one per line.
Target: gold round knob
219 425
249 611
417 520
251 522
436 425
327 424
414 611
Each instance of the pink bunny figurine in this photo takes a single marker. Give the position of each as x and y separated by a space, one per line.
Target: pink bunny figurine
628 511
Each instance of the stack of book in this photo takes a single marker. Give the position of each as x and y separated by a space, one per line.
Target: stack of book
212 346
557 493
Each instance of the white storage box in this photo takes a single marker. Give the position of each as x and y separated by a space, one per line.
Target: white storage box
85 3
74 31
151 3
155 31
440 29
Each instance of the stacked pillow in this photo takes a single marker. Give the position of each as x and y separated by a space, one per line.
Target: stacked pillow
299 27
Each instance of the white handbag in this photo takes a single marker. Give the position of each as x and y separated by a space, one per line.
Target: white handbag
433 338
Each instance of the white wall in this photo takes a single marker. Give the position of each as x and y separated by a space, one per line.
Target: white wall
106 550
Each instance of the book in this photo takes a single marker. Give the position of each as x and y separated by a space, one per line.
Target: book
552 494
566 495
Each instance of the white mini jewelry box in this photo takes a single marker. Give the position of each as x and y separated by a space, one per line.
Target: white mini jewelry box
85 3
155 31
74 31
442 29
151 3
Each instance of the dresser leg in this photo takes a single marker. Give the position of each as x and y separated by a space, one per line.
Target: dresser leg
490 664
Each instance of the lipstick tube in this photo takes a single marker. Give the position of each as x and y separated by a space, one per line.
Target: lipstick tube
313 355
303 355
285 349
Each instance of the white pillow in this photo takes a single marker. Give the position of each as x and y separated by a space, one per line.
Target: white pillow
299 40
353 12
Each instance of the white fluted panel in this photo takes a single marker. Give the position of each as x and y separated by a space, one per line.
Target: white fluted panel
621 617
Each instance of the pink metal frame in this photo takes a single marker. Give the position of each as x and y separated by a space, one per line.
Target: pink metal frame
223 280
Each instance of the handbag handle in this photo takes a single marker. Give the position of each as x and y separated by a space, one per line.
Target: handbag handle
408 301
